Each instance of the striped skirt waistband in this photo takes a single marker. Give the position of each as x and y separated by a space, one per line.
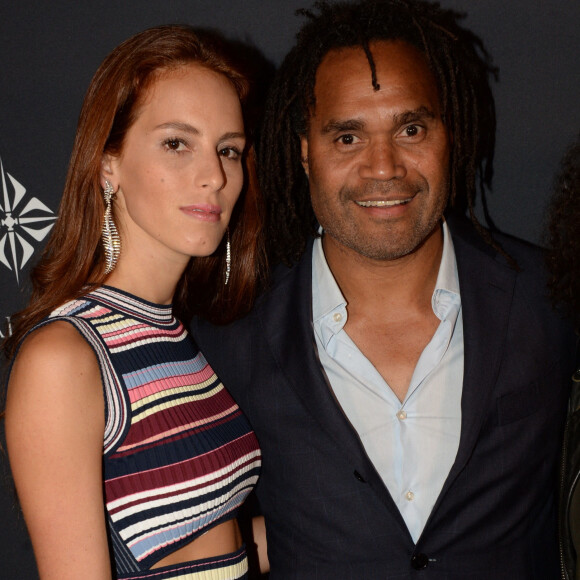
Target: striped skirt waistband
233 566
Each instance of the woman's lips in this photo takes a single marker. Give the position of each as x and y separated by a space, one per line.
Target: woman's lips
203 211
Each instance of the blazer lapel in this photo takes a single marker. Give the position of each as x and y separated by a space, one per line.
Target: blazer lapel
486 287
294 349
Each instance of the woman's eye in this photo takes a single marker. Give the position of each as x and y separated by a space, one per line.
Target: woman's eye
174 144
230 153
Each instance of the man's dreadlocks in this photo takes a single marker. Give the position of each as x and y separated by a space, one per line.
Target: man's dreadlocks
462 69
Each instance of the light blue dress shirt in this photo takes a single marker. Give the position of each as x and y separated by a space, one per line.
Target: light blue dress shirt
412 444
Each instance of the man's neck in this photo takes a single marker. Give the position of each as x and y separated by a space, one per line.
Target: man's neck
403 283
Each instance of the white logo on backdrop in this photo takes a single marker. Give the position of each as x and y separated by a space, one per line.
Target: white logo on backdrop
24 222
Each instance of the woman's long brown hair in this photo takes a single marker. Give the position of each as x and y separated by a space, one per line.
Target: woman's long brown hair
73 259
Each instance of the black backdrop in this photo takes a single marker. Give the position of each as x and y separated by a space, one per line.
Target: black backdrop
49 51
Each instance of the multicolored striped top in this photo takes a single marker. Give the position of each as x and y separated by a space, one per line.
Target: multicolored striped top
179 455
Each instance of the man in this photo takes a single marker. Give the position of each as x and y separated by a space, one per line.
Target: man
406 377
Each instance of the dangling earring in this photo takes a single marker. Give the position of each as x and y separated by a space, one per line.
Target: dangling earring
228 256
110 235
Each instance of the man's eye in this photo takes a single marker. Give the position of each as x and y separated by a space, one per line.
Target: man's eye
412 130
346 139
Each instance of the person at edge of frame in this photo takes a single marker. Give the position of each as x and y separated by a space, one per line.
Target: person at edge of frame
405 373
562 237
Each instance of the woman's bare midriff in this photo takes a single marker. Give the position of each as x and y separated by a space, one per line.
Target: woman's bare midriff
222 539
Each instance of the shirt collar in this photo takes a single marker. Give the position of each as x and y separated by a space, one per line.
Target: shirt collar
327 297
446 299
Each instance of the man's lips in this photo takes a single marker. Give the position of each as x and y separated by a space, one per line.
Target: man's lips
383 202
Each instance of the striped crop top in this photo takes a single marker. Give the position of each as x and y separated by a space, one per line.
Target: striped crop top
179 455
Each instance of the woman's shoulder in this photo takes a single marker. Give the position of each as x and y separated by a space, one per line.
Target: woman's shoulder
56 338
54 389
52 354
62 333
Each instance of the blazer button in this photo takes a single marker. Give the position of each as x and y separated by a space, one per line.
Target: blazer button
359 477
419 561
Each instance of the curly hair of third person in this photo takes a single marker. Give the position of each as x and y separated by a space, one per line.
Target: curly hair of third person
462 68
563 235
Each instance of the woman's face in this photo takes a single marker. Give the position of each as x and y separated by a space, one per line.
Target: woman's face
180 170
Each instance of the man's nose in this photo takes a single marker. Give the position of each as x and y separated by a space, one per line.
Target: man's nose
382 161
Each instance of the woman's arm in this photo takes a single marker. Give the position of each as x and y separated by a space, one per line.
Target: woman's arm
259 533
54 434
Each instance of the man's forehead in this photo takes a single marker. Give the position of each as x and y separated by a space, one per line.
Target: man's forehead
378 51
401 69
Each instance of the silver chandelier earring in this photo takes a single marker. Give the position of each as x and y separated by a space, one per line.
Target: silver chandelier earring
109 234
228 256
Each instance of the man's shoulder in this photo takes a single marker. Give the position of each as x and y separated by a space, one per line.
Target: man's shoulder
519 247
503 248
516 273
506 261
287 284
284 273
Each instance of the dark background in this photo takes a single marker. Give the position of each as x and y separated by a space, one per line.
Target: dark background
50 50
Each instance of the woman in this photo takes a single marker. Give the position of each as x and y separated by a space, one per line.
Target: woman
564 265
129 458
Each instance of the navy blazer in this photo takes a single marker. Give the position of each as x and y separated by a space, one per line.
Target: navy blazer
328 513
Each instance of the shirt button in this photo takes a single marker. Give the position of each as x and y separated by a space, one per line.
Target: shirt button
402 414
409 496
337 316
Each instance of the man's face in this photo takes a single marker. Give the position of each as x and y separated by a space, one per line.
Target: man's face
377 161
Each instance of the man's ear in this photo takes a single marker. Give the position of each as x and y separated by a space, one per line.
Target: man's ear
108 171
304 153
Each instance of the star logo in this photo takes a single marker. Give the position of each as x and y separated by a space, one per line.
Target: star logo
24 222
